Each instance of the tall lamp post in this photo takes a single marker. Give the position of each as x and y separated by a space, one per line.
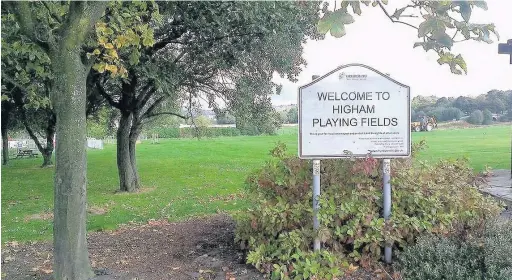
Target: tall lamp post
506 48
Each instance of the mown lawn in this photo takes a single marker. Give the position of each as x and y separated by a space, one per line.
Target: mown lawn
190 177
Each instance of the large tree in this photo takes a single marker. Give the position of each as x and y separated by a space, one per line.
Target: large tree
465 104
202 51
60 30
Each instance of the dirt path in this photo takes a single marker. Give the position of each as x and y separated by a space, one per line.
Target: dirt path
159 250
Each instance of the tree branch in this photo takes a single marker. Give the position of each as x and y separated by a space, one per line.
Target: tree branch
109 99
165 113
21 107
80 20
147 92
13 82
24 17
179 57
152 107
456 32
391 18
53 15
32 134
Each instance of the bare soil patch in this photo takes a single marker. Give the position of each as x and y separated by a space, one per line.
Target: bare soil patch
39 216
201 248
93 210
97 210
138 191
157 250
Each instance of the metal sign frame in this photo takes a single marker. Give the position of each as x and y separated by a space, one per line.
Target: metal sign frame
376 155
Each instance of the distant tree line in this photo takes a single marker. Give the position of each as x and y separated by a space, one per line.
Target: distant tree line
290 116
475 110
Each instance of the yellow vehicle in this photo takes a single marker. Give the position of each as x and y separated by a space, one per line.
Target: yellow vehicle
425 124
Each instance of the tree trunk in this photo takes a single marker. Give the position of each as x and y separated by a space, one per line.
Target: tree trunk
5 146
71 258
68 96
47 159
134 134
127 179
48 150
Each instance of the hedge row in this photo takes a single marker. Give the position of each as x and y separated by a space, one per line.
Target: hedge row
189 132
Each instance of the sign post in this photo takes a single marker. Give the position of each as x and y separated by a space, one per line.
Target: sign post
507 49
386 177
316 195
351 112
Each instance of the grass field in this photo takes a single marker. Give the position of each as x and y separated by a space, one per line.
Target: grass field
189 177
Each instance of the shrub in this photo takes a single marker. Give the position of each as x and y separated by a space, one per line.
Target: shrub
416 115
190 132
447 114
292 115
487 117
481 256
165 132
250 130
426 199
504 118
96 130
477 117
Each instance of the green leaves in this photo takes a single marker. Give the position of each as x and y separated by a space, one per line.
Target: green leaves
351 228
398 13
431 25
356 7
439 30
124 31
335 23
480 4
465 9
454 62
443 39
24 65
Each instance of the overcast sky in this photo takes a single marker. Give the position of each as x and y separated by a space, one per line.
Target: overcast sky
388 47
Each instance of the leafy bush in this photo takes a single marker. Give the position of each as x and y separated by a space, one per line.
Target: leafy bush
225 118
96 130
477 256
416 115
504 118
250 130
292 115
190 132
165 132
447 114
477 117
426 199
487 117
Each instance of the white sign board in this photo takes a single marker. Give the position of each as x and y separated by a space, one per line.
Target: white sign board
354 111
